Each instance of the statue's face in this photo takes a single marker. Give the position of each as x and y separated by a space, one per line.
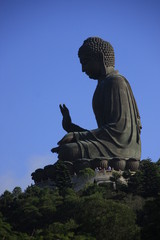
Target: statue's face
91 66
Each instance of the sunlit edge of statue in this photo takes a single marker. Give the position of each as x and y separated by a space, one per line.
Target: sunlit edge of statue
116 141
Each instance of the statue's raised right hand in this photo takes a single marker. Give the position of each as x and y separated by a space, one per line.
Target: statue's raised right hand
66 121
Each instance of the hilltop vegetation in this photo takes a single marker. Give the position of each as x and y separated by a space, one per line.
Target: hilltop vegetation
97 212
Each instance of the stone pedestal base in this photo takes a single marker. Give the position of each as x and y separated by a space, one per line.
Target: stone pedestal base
115 163
98 163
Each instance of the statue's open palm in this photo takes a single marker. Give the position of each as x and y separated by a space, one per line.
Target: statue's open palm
66 121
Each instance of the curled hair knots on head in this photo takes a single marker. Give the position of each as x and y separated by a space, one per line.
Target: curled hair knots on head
96 45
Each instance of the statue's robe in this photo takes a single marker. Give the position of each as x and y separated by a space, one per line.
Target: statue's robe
118 120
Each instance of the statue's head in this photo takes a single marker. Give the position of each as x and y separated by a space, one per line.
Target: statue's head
100 52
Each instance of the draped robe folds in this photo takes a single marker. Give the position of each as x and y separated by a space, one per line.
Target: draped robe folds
118 120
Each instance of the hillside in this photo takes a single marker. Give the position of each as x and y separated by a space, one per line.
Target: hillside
130 212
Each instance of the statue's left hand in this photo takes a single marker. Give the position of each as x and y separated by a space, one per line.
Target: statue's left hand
68 138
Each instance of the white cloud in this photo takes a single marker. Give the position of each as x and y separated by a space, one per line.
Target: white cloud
9 180
36 161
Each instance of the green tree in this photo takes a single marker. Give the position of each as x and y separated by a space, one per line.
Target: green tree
17 191
62 176
63 231
135 183
150 220
87 173
6 203
107 219
70 206
158 162
146 181
34 209
5 230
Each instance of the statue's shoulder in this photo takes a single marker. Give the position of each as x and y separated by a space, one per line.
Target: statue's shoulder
116 79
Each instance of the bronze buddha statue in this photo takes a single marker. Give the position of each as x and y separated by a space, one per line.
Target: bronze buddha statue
117 137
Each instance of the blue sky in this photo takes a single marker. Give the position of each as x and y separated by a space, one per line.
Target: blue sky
39 69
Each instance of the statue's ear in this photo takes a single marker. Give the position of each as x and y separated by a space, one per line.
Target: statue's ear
101 58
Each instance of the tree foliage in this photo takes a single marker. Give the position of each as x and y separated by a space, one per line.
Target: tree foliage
107 219
146 181
87 173
94 213
150 219
62 176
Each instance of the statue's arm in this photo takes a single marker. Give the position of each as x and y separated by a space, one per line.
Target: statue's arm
75 128
93 134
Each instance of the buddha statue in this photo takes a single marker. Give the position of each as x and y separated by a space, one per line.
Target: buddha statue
116 139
